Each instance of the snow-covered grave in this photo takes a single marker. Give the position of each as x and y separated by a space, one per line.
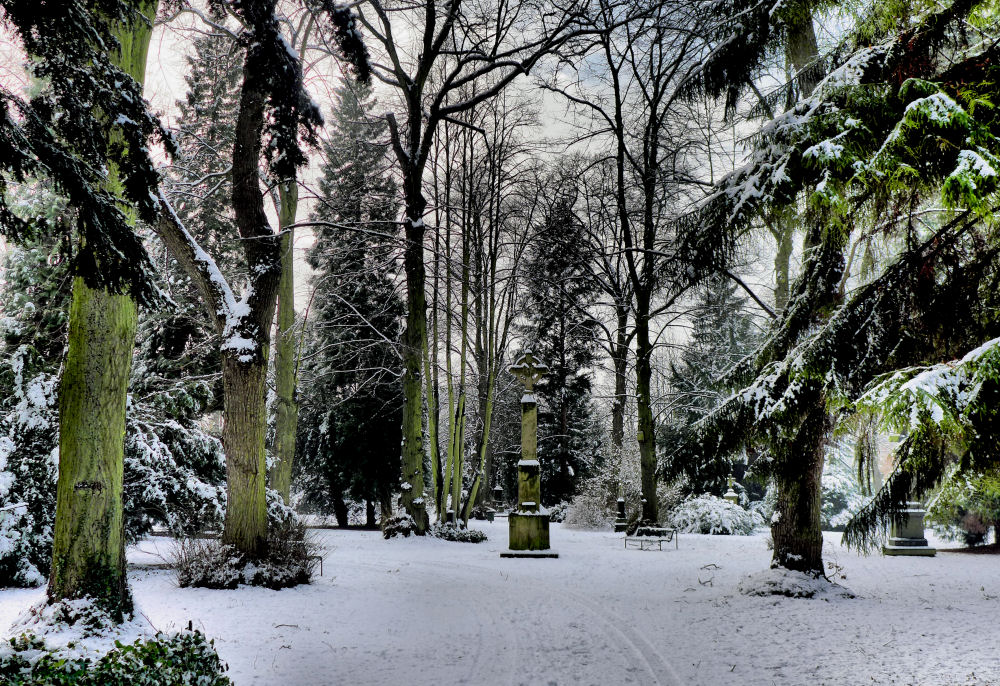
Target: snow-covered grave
426 611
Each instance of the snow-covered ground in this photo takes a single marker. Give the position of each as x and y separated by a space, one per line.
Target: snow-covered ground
424 611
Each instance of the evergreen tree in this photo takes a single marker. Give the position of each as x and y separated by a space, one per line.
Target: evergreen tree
349 426
178 340
722 333
564 336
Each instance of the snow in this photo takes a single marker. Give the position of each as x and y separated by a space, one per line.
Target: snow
427 611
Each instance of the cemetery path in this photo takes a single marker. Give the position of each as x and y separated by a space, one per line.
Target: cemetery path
550 623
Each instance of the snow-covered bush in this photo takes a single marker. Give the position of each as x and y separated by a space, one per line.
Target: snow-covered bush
208 563
163 660
764 508
449 532
557 513
709 514
589 510
399 524
29 459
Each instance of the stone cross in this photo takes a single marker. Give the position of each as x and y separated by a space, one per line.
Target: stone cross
528 369
529 525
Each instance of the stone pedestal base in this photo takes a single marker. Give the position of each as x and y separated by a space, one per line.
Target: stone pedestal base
909 546
621 525
529 553
907 537
529 531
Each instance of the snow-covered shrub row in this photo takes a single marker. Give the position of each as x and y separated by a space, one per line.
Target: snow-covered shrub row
589 510
208 563
449 532
709 514
163 660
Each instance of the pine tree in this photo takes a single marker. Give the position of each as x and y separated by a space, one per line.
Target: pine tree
349 429
563 335
178 340
722 333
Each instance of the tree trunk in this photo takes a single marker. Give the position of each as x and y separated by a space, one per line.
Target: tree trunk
414 341
286 409
88 547
340 511
795 529
370 521
783 234
644 402
243 428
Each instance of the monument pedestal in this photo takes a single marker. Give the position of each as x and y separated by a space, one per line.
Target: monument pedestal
529 535
907 537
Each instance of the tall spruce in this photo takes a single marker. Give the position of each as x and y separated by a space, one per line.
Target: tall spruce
722 333
563 334
349 430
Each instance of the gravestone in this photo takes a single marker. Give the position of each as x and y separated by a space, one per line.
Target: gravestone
528 521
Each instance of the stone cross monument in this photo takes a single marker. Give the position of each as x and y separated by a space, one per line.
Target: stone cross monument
529 523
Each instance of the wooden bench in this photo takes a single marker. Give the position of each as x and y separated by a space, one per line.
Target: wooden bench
645 536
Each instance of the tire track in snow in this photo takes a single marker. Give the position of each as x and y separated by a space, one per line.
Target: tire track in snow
652 663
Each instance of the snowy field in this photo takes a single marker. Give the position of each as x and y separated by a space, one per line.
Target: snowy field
424 611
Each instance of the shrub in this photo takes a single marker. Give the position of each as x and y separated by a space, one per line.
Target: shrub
588 511
208 563
399 524
449 532
709 514
966 507
163 660
557 513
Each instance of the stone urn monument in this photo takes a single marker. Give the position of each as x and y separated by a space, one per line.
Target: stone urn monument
528 521
907 537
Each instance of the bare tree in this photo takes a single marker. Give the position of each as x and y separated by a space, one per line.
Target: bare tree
473 44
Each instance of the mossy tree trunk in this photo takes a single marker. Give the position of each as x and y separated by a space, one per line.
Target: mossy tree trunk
88 549
286 411
243 429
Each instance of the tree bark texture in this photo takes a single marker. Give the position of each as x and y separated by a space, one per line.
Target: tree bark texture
796 529
88 548
286 411
243 429
644 403
414 342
